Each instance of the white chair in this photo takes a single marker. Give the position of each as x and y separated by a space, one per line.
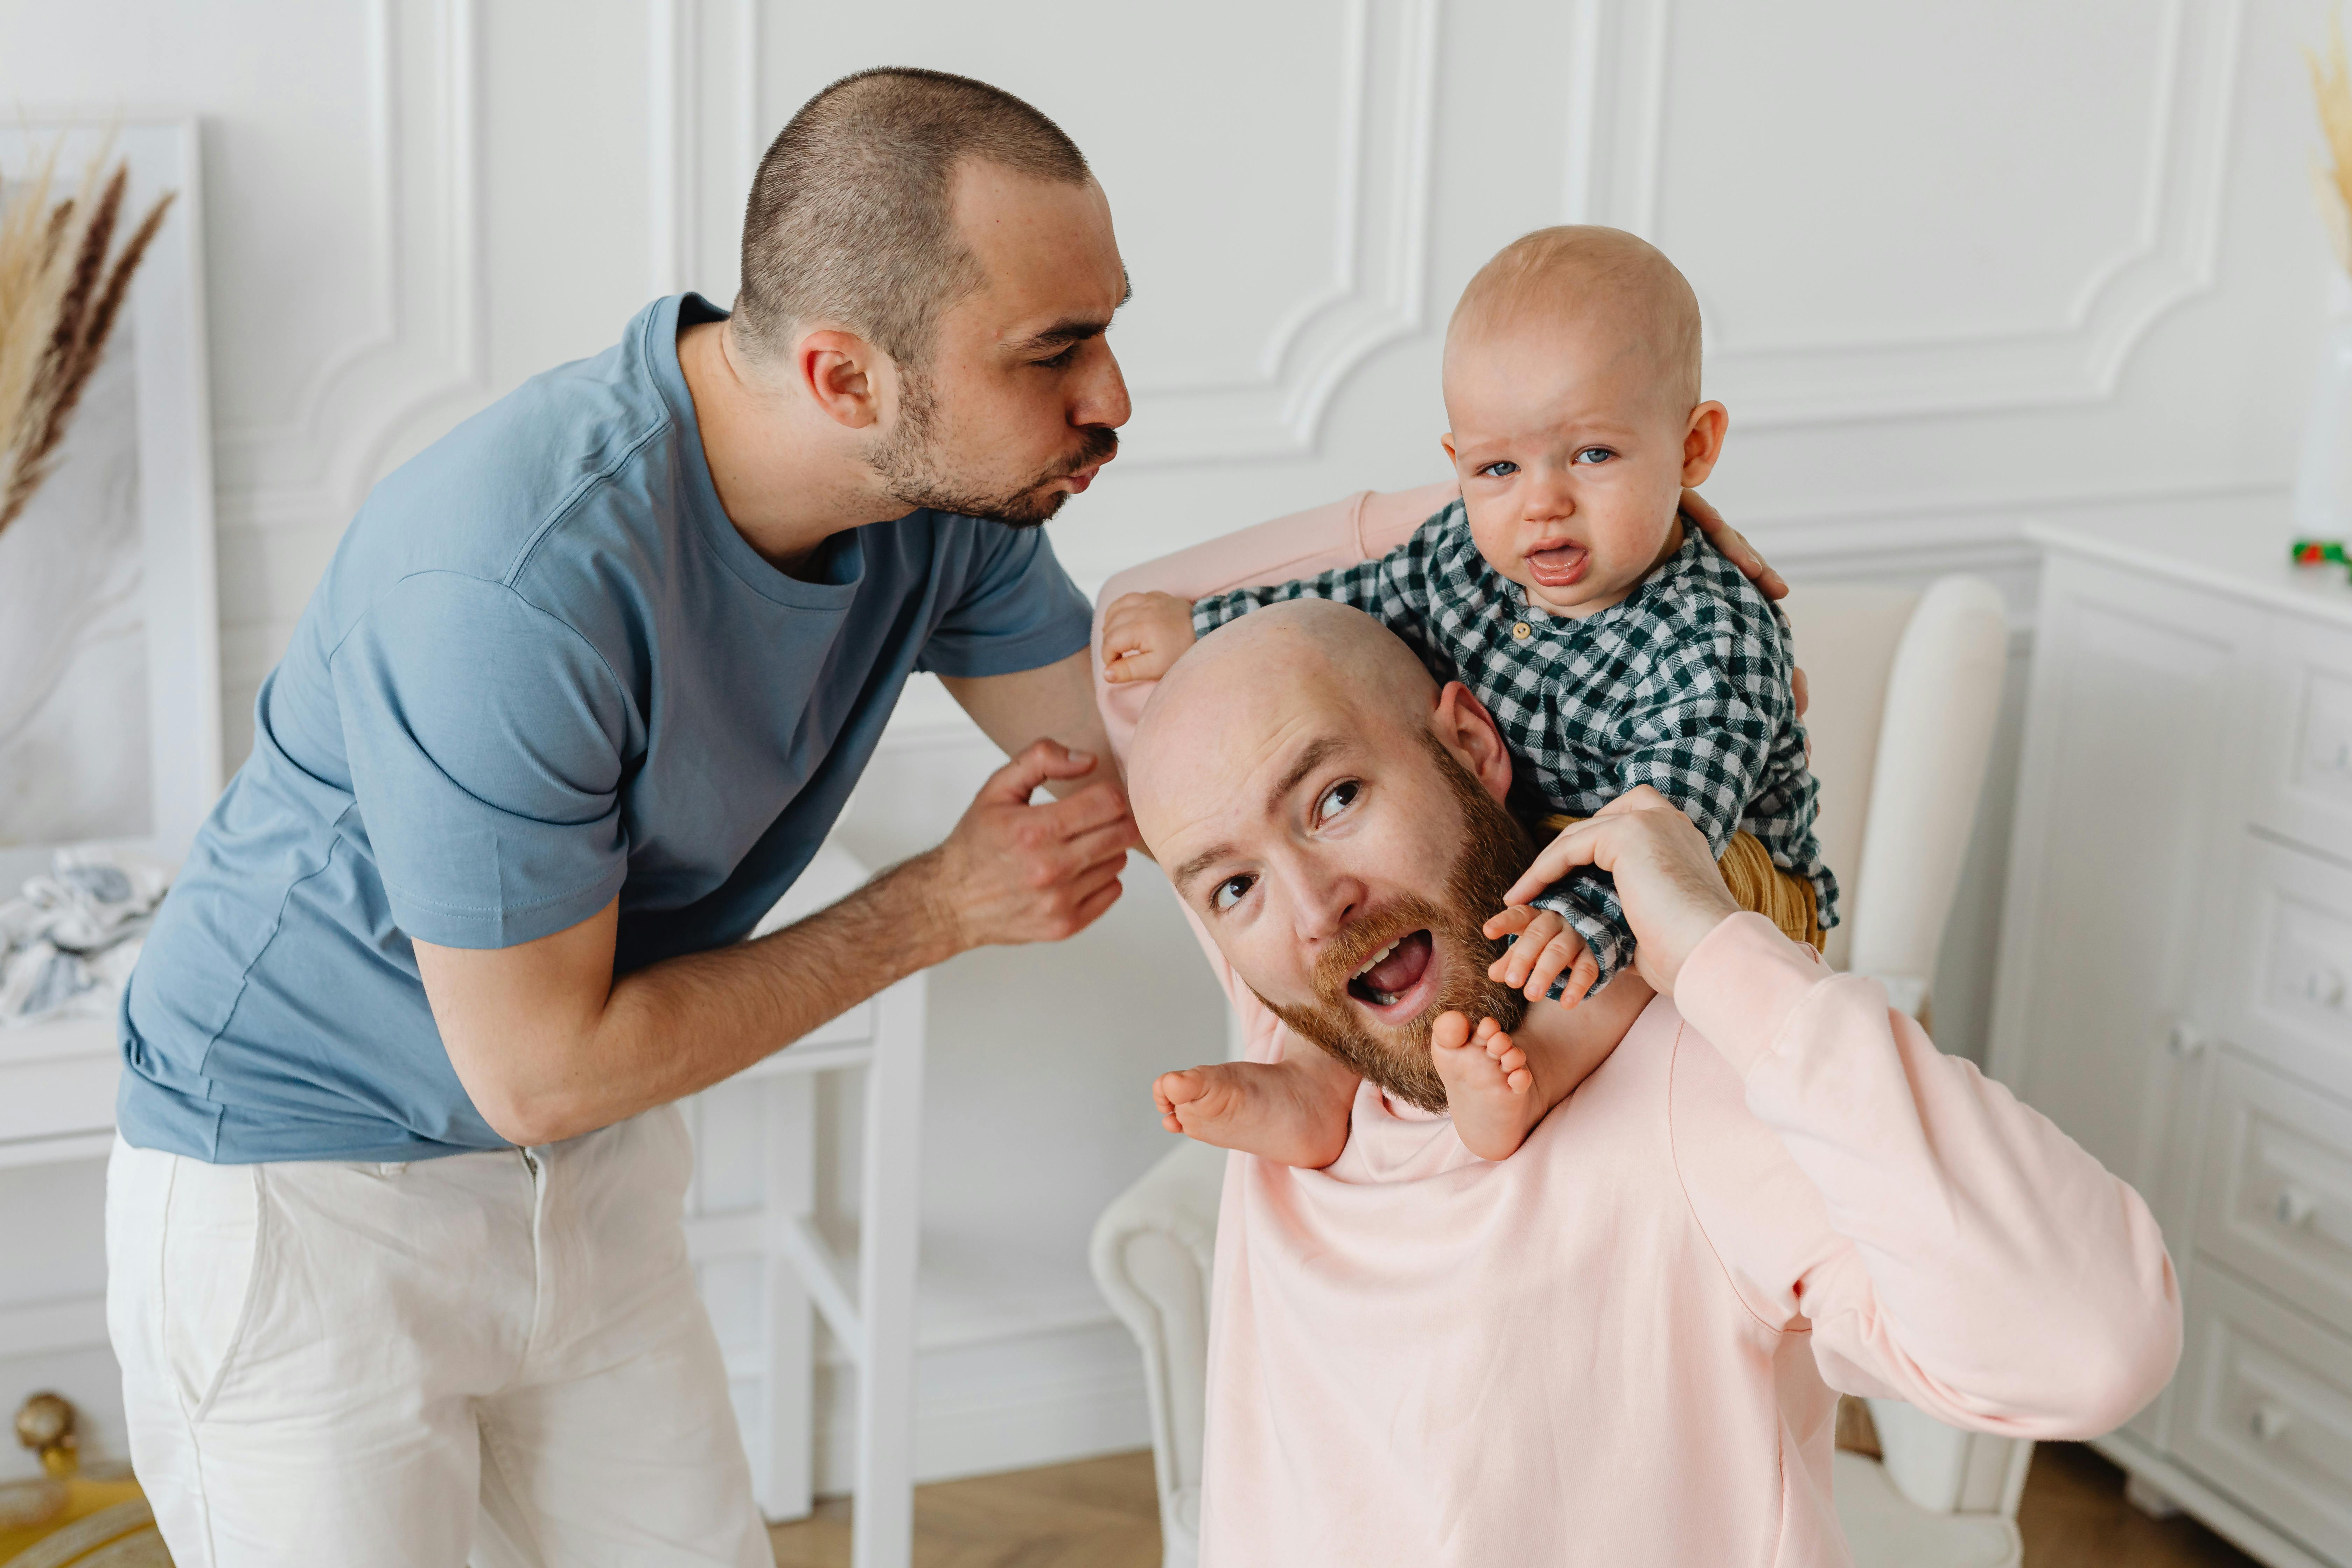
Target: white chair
767 1272
1905 690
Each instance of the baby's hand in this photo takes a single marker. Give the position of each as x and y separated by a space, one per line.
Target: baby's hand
1142 636
1548 945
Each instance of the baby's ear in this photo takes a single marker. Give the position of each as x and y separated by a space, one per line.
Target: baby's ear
1446 441
1703 442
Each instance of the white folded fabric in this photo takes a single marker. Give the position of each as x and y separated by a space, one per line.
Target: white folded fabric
68 942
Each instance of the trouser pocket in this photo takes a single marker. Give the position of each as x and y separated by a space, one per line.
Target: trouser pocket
212 1265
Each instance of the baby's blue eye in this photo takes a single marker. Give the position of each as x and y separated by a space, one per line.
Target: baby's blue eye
1503 471
1594 455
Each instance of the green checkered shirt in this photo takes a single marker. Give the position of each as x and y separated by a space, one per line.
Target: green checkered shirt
1685 686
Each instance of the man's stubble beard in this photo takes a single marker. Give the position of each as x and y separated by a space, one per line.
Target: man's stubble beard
1495 850
908 461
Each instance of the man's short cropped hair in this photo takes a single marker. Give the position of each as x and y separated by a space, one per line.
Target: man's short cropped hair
848 223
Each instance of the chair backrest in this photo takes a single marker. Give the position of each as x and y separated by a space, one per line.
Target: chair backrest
1905 689
1847 635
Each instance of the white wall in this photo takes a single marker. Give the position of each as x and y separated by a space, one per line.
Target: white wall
1963 262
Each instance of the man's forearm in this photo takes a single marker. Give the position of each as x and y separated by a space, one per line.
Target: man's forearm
549 1044
682 1025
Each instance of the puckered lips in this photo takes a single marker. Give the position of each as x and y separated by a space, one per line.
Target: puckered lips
1557 563
1397 983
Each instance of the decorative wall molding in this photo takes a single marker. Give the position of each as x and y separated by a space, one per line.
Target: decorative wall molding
1617 97
423 340
1378 283
705 133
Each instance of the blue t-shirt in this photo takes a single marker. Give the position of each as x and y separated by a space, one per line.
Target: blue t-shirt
543 670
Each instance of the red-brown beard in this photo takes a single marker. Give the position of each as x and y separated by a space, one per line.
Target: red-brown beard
1495 850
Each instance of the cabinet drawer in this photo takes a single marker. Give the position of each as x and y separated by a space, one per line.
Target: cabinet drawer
2277 1191
58 1079
2302 763
2293 984
2268 1410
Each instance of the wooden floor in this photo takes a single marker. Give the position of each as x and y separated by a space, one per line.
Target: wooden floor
1100 1513
1097 1513
2074 1513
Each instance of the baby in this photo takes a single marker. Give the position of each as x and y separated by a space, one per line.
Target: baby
1611 644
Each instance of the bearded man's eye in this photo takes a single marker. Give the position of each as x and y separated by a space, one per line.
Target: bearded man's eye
1229 893
1336 799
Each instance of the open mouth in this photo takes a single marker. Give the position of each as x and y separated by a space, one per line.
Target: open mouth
1559 566
1395 982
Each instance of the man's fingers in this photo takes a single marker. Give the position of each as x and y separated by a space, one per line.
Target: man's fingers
1106 845
1733 545
1039 761
1082 811
1798 691
1556 859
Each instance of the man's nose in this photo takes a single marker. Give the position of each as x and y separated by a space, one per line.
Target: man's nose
1323 904
1102 396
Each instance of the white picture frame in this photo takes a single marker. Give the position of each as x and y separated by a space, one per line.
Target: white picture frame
166 342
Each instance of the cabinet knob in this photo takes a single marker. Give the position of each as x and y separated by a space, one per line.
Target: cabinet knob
2295 1207
2185 1040
2270 1421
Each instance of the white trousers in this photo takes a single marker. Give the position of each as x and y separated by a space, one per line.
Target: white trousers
496 1358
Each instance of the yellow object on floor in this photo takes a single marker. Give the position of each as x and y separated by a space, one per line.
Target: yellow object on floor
103 1524
65 1519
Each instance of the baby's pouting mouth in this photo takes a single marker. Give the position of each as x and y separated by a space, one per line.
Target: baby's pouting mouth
1558 566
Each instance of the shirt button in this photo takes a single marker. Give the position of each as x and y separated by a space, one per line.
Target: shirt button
1523 631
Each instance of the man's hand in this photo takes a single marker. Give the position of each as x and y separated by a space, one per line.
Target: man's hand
1013 873
1666 878
1735 547
1143 634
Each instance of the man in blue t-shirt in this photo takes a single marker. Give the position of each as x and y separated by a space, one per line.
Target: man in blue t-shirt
394 1219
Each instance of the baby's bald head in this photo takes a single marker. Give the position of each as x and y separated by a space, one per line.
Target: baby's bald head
1597 280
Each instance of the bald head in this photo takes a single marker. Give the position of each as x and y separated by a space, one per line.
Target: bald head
1271 668
1599 280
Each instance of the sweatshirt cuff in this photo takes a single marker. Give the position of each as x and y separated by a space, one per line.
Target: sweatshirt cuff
1742 983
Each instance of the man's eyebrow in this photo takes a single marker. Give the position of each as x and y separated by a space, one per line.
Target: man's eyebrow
1313 757
1199 863
1072 330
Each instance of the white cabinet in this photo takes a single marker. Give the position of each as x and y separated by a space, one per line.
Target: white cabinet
2175 985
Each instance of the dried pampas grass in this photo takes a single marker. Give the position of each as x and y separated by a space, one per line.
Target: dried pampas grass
59 296
2331 89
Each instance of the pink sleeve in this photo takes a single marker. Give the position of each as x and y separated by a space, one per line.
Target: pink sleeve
1956 1250
1339 533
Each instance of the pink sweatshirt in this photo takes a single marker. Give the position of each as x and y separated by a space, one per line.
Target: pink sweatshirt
1620 1345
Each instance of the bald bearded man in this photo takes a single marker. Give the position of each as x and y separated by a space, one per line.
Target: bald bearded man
1621 1344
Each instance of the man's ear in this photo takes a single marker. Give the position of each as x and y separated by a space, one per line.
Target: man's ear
1703 442
841 374
1465 728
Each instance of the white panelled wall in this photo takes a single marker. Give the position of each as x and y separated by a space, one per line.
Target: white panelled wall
1963 262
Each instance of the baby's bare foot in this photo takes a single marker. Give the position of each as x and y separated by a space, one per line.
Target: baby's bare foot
1276 1111
1490 1088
